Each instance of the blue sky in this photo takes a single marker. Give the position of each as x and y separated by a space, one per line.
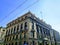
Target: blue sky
50 11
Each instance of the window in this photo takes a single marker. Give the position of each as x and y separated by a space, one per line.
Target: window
40 32
11 30
15 43
25 43
3 30
32 25
37 28
10 38
25 25
24 35
17 27
20 36
33 43
16 36
32 34
41 29
6 44
7 39
13 37
26 17
14 29
44 32
22 18
12 43
9 43
48 32
6 32
21 26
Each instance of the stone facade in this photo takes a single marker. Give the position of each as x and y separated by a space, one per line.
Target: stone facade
56 37
2 35
28 30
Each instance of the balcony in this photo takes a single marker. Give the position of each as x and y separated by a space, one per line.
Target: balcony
46 38
33 39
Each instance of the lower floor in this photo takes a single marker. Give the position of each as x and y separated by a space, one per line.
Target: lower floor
30 42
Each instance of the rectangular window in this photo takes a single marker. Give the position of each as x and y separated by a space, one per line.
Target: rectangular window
37 28
21 26
14 29
12 43
26 27
20 36
17 27
48 33
41 29
13 37
33 43
38 31
10 38
44 32
16 36
24 35
32 34
32 25
11 30
6 32
15 43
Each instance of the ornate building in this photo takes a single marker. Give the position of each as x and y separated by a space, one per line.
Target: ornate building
56 37
2 35
28 30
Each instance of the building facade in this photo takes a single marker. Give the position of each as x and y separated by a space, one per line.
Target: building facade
56 37
2 35
52 37
28 30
